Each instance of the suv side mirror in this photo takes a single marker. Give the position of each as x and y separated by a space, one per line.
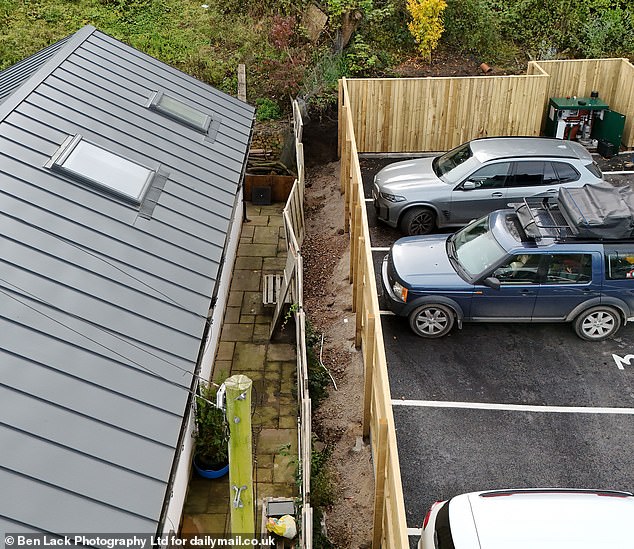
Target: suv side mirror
469 185
492 282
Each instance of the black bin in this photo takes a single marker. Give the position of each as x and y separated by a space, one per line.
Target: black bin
606 149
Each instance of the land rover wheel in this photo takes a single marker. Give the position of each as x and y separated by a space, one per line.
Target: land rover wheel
431 320
418 221
597 323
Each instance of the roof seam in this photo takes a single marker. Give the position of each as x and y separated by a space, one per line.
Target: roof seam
74 42
86 416
82 453
77 494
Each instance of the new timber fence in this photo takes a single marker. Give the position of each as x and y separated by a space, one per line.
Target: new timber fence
437 114
389 524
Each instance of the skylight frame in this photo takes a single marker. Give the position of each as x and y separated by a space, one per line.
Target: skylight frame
155 105
60 162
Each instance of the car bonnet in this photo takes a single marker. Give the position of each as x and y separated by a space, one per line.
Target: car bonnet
407 174
421 261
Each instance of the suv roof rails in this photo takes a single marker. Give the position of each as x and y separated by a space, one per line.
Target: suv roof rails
591 213
540 218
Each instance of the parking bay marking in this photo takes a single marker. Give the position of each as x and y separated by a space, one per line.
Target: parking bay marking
511 407
621 361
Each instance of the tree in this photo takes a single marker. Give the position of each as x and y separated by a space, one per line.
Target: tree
426 25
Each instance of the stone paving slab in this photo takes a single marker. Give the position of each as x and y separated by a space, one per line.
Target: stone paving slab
245 349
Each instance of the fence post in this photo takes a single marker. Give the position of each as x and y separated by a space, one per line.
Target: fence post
242 83
368 359
379 486
240 455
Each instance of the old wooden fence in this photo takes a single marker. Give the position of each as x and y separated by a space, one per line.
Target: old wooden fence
436 114
291 290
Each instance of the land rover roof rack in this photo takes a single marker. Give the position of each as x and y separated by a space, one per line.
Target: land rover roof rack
591 212
540 218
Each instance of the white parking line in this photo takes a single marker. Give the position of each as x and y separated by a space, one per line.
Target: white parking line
511 407
387 313
368 200
413 531
630 172
380 249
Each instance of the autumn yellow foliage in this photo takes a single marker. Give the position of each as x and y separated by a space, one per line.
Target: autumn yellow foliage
426 25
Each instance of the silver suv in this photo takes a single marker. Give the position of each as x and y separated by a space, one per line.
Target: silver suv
476 178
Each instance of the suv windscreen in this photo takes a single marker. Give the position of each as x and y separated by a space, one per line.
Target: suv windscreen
475 248
448 161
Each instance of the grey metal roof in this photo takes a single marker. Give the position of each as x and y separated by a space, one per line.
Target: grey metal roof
102 311
13 77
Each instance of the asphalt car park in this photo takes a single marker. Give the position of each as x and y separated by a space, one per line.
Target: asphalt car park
505 405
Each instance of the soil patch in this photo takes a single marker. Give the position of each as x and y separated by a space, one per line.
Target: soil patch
327 301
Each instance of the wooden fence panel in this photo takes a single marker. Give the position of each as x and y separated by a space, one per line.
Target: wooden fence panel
432 114
623 101
580 77
436 114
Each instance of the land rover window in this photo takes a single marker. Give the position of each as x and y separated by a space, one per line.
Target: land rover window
619 264
475 247
569 269
519 269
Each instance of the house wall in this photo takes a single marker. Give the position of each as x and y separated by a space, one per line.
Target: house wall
183 471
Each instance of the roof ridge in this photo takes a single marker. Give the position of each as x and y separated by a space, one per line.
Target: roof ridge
70 44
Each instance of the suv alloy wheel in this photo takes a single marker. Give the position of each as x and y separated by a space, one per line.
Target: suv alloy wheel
431 320
597 323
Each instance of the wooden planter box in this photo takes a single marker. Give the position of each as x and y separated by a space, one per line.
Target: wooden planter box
280 186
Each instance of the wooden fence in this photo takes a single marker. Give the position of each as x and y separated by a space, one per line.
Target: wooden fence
292 291
436 114
389 526
612 78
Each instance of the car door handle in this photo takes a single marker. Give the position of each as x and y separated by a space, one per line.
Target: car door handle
497 195
527 292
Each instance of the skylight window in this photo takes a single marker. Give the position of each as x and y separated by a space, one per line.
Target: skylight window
102 168
181 112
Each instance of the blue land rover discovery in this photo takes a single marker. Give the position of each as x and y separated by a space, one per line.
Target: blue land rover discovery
534 263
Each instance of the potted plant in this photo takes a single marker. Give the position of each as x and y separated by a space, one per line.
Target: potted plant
211 451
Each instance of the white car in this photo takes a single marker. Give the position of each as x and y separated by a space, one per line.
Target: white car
531 519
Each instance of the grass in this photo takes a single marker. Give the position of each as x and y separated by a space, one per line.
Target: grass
201 41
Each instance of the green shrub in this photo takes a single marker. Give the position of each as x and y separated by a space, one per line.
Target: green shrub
266 109
471 28
605 33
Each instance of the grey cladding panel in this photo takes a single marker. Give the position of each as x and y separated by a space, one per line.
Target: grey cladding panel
86 435
121 378
13 77
81 474
49 507
77 395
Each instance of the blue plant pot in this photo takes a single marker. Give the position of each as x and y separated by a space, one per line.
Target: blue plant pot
211 473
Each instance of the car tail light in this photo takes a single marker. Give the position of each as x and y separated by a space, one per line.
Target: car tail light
426 519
